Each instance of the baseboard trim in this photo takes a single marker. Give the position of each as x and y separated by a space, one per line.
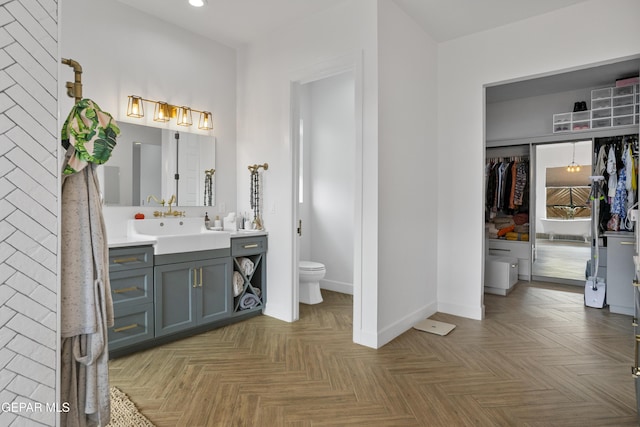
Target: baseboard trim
335 286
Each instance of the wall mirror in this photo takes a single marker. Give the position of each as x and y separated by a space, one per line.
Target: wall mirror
149 161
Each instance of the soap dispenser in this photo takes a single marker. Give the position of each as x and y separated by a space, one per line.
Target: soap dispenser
206 220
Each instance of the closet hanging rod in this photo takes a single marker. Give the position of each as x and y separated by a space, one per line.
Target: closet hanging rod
74 89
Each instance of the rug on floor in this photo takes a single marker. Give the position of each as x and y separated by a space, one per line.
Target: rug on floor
124 412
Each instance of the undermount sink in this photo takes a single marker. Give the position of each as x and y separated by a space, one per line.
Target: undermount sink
175 235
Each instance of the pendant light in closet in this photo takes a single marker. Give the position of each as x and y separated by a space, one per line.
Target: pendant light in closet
573 166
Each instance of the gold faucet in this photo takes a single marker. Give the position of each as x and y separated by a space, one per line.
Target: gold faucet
155 199
170 202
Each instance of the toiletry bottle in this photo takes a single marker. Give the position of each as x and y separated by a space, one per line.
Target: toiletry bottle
206 220
217 223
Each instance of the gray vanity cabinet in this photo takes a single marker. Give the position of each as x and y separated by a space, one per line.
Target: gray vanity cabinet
191 290
131 280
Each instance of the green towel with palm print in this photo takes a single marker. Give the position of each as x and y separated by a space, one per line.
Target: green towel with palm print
92 134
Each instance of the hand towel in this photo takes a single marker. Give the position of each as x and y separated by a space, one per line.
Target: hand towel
247 266
249 301
238 283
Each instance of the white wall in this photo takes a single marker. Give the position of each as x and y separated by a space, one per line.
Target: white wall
398 286
329 152
407 168
343 35
131 53
533 116
516 51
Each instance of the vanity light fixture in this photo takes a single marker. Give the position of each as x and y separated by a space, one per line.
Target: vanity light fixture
206 121
135 107
184 116
164 112
196 3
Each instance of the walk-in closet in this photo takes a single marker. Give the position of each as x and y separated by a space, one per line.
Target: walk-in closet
549 235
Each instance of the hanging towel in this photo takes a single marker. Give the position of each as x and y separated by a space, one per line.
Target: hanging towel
247 266
238 283
89 135
249 301
86 306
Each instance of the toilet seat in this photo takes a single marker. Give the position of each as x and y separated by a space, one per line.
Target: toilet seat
310 266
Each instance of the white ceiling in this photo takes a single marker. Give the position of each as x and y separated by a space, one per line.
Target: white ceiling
238 22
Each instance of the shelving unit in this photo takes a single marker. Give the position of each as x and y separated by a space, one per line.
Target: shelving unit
610 107
254 282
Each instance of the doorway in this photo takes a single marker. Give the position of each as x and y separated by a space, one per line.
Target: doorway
562 238
325 198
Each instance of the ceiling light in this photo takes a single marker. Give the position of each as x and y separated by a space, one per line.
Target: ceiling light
573 166
196 3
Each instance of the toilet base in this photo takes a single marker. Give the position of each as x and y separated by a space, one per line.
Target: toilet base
310 293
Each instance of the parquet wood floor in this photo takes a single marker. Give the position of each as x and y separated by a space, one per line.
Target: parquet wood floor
540 358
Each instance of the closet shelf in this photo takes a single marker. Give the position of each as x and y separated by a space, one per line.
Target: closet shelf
610 107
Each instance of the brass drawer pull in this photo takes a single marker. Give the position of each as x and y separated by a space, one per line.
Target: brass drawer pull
123 260
627 243
195 278
250 245
124 290
499 249
125 328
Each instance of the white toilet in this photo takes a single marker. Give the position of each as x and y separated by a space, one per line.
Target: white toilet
310 274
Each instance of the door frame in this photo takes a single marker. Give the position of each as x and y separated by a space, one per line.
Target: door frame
351 62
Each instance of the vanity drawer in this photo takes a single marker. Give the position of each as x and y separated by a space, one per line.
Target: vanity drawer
132 286
130 257
248 245
132 324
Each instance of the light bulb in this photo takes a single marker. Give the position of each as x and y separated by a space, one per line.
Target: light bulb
196 3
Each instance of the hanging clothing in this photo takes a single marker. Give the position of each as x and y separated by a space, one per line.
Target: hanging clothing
521 182
86 305
601 161
612 184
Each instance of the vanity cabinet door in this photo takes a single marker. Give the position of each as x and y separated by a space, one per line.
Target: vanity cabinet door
174 293
213 297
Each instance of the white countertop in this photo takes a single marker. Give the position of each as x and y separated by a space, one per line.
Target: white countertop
125 241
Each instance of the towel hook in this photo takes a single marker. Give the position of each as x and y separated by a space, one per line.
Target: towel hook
74 89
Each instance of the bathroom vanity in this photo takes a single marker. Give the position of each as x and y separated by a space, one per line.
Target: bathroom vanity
161 298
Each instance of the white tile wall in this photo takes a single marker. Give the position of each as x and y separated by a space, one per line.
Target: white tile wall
28 208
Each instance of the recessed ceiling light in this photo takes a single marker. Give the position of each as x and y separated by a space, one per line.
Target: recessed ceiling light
196 3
